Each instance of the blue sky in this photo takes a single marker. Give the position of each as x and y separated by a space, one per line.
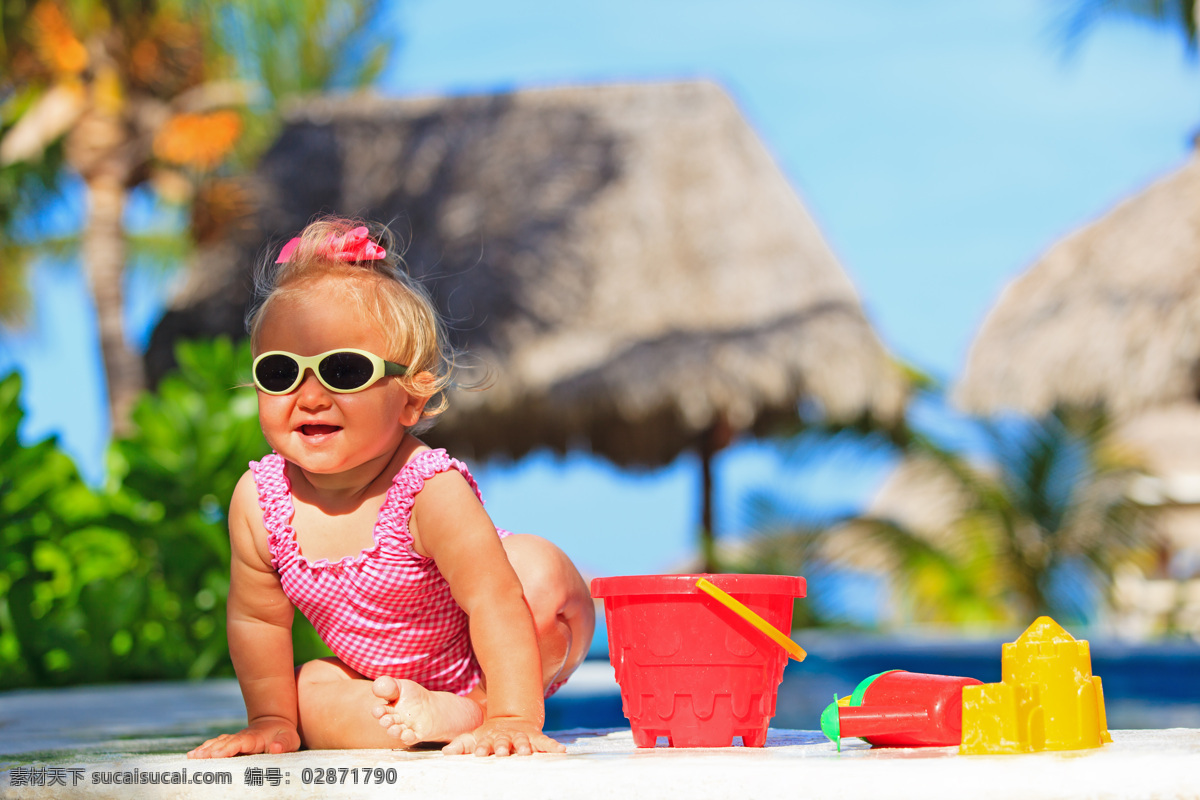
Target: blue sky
940 145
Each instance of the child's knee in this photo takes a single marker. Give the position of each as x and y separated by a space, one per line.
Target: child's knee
322 670
555 592
539 567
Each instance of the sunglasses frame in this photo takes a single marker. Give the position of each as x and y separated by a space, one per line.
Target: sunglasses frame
380 369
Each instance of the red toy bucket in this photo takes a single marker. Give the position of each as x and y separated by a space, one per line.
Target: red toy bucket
689 668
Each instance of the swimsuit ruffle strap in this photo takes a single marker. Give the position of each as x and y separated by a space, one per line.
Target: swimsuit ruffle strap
409 481
275 500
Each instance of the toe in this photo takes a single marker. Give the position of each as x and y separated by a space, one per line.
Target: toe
386 688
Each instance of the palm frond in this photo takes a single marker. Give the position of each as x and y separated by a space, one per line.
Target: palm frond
938 584
1039 523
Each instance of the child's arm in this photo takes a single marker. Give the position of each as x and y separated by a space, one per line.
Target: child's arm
260 641
450 525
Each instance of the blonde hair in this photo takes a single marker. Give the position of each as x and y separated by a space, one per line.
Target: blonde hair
382 290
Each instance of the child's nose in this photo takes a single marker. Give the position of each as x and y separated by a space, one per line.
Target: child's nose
312 393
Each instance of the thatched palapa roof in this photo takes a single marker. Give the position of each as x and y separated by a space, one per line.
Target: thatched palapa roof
1110 315
629 259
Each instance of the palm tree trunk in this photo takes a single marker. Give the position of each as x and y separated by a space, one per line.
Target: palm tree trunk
708 537
104 253
713 440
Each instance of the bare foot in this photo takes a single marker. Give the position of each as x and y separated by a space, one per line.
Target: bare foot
413 714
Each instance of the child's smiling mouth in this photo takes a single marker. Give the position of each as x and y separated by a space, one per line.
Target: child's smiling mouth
318 430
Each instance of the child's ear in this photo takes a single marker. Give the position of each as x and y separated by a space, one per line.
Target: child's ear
411 413
415 404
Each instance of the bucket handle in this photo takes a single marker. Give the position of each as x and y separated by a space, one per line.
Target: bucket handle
794 650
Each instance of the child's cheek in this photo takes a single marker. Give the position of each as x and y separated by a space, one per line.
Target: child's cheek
272 419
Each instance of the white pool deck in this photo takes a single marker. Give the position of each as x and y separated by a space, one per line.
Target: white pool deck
69 742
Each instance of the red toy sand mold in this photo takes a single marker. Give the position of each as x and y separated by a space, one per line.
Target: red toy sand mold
900 709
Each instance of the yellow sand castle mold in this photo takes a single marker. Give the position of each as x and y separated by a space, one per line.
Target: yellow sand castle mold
1048 700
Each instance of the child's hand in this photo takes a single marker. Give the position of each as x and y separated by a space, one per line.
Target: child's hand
263 736
504 736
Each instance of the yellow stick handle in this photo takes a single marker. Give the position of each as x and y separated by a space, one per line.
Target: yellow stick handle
794 650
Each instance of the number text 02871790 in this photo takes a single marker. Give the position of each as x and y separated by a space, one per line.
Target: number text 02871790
341 775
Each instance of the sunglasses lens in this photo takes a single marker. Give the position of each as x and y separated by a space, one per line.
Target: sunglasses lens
346 371
276 373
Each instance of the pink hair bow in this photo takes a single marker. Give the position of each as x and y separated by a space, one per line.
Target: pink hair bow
354 245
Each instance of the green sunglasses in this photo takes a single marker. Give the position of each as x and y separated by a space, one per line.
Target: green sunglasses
342 371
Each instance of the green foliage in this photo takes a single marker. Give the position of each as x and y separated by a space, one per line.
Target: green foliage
289 49
129 581
70 569
1040 529
1034 523
786 549
191 442
298 47
41 495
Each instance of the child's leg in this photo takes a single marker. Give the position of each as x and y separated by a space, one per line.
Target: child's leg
336 705
558 598
563 616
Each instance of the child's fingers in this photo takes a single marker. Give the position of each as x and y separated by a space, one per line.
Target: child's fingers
203 751
213 748
285 740
199 752
460 745
237 744
503 743
500 744
541 743
243 742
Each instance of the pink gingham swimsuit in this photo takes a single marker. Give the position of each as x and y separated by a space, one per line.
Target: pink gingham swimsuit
388 610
